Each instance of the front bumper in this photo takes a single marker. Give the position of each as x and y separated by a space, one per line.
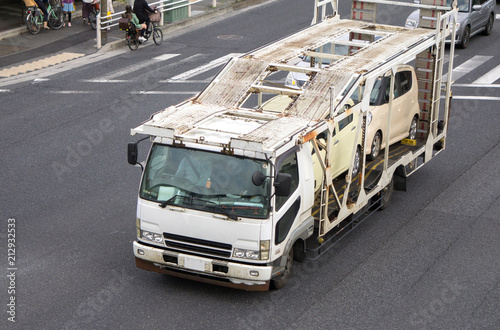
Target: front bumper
203 269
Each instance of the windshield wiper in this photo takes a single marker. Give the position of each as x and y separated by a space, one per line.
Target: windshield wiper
169 201
229 214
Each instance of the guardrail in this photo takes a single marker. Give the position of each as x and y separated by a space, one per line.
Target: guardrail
109 21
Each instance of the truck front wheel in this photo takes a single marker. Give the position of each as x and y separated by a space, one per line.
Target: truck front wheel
280 281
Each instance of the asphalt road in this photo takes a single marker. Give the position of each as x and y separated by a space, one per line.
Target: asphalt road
431 260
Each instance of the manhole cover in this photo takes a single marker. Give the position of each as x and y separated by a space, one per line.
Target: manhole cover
230 37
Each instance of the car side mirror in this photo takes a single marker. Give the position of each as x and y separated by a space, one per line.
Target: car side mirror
132 153
283 184
477 7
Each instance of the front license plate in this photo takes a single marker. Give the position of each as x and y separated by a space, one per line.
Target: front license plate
194 264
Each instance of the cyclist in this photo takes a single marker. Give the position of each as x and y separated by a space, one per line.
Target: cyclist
43 8
141 9
133 19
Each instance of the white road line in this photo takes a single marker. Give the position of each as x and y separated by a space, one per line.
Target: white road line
479 98
104 81
478 85
163 93
204 68
164 57
74 92
4 90
137 67
467 67
489 77
498 16
186 81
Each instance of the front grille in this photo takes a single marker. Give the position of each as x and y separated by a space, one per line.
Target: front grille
197 246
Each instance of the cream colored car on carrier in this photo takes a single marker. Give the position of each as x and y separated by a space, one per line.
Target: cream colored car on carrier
404 115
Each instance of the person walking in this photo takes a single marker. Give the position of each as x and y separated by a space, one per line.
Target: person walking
68 8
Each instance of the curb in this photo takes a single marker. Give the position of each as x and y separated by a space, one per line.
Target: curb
190 21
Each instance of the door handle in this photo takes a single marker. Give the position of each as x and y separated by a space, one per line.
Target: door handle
334 143
353 128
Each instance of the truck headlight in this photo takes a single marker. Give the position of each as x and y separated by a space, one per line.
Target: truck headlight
150 236
290 81
411 23
246 254
369 118
262 254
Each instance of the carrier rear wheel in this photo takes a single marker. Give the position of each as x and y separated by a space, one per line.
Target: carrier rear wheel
386 195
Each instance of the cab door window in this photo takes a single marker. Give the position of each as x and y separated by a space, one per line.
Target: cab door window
289 166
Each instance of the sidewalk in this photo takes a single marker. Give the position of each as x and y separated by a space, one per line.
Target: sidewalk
18 46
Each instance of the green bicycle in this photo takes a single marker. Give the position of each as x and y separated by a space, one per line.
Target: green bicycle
34 17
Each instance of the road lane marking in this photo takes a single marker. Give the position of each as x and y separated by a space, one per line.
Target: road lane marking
39 64
206 81
467 67
164 57
490 77
121 72
163 93
74 92
478 98
477 85
203 68
4 90
104 81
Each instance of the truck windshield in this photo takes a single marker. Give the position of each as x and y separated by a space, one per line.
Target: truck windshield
205 181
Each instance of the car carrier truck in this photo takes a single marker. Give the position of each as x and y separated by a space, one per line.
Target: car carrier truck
238 182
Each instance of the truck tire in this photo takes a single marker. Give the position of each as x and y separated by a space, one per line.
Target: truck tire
281 280
386 195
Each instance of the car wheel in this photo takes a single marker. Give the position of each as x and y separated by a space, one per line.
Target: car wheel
357 161
465 38
489 26
377 142
282 279
413 129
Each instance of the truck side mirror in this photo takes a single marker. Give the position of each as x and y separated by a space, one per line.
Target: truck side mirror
258 178
283 184
132 153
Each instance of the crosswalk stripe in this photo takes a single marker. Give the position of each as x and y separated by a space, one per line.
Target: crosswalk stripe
478 98
203 68
164 93
478 85
130 69
468 66
489 77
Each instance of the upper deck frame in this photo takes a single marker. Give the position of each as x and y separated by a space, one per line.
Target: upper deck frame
245 75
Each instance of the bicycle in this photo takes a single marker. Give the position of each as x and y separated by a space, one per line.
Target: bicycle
34 17
93 15
132 34
156 31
